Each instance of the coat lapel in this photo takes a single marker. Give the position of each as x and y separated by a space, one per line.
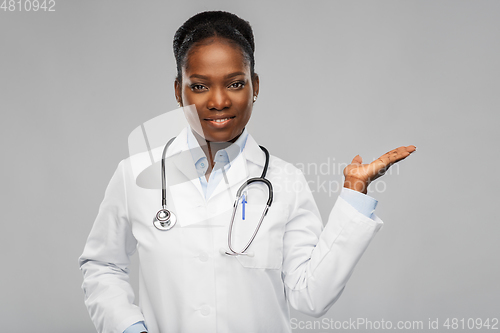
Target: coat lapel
238 172
182 172
180 166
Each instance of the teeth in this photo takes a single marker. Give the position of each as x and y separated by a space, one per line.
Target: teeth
220 120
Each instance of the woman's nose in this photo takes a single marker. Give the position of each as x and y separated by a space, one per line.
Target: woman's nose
218 99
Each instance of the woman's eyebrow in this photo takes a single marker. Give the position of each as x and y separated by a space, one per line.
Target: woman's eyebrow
234 74
199 76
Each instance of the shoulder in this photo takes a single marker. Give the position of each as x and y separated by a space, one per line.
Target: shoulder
277 166
143 166
142 169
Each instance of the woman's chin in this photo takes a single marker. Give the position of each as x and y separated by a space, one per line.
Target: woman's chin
219 137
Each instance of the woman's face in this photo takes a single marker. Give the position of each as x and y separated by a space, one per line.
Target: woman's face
217 80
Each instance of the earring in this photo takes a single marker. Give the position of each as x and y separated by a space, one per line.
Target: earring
178 104
254 98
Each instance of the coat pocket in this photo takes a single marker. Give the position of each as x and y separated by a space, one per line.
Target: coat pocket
266 250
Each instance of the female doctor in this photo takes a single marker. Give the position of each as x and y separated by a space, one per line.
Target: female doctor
190 279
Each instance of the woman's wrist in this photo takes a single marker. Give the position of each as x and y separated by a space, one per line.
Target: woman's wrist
356 184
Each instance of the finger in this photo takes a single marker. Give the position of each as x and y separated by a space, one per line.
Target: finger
393 156
411 149
357 160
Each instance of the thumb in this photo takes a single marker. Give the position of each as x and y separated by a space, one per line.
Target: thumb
357 160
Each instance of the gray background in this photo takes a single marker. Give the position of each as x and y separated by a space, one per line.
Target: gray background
338 78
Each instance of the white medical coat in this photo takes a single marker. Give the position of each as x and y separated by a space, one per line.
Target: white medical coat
186 283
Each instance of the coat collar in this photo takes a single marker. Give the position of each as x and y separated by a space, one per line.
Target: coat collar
180 156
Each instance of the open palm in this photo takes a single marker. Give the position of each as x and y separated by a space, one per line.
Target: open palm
358 176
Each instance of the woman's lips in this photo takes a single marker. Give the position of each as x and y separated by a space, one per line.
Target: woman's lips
220 122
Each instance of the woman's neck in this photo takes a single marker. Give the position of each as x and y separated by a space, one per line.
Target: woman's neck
210 148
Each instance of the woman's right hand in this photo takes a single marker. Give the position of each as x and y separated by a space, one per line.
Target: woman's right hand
358 176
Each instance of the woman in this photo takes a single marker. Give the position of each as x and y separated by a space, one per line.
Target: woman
189 282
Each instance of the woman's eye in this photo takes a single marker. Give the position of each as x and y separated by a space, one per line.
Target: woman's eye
237 85
198 87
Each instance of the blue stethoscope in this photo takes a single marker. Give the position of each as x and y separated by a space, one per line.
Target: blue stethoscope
166 219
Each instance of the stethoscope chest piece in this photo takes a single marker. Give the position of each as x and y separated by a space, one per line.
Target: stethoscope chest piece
164 220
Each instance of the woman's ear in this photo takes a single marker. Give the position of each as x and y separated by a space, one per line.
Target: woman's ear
178 92
255 84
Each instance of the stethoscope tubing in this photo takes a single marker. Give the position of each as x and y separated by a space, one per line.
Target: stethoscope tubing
261 179
230 233
163 178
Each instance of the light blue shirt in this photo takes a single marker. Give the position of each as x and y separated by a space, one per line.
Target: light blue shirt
222 159
136 328
361 202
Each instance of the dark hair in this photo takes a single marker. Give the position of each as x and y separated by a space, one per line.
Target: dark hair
210 24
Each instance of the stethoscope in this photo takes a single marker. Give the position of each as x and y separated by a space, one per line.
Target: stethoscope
165 219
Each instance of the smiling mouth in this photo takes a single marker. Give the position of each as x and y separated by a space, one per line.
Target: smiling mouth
220 120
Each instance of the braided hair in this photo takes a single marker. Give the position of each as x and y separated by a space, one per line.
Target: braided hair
213 24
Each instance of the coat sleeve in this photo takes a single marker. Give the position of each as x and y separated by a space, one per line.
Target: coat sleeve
108 295
318 261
